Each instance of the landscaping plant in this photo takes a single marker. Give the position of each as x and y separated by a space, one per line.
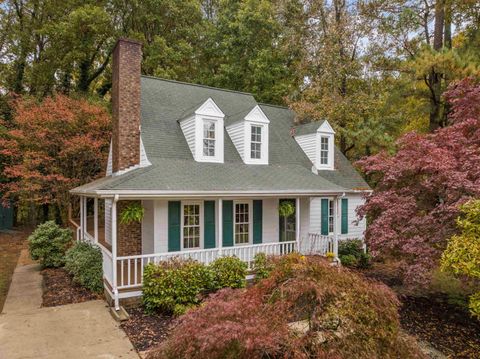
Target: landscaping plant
462 256
84 262
262 266
228 272
420 188
48 244
134 212
305 309
351 254
175 285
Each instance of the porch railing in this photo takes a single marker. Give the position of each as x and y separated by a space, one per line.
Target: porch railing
130 268
319 244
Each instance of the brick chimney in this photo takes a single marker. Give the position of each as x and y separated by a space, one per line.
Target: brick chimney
127 57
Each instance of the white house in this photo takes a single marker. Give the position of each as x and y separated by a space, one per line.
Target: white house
210 167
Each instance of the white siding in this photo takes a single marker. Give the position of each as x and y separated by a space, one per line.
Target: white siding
270 220
147 227
188 128
237 135
161 226
108 221
304 218
308 143
144 162
109 161
354 230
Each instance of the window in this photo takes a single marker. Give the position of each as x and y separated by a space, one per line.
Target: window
242 222
331 228
191 226
209 138
256 142
324 150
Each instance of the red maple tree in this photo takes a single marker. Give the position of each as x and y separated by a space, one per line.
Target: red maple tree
419 189
52 146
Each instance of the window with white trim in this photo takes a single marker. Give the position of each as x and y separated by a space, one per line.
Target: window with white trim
331 228
191 225
242 223
209 138
324 150
256 142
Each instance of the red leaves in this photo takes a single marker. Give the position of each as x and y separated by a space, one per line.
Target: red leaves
421 186
53 146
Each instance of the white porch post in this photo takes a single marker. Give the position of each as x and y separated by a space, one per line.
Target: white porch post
336 225
297 223
83 218
220 226
114 252
95 218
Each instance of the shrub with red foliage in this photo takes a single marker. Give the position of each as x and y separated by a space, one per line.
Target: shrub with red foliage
53 146
419 189
304 309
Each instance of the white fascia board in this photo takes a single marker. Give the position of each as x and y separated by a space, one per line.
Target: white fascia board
209 108
256 115
326 128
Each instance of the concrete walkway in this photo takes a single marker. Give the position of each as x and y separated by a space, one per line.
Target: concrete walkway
84 330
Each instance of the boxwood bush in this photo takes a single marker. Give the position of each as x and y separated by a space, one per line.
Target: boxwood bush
175 285
48 244
228 272
351 254
84 262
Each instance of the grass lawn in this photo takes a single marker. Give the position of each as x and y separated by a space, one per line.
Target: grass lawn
11 244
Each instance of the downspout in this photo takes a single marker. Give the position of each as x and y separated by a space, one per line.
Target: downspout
114 252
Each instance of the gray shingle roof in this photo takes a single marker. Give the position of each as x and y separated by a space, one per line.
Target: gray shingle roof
164 102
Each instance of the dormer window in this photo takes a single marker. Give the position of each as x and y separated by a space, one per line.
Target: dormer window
209 138
203 130
324 150
317 141
256 142
250 137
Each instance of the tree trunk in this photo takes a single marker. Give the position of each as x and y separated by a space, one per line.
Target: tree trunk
435 78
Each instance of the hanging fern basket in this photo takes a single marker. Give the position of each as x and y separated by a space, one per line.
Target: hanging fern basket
132 213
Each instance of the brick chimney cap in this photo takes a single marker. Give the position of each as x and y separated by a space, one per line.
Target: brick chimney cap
132 41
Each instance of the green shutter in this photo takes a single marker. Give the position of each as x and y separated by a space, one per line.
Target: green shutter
209 224
174 226
324 217
344 215
227 213
257 221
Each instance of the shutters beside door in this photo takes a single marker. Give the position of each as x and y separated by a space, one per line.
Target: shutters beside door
324 217
174 226
344 215
227 213
209 224
257 221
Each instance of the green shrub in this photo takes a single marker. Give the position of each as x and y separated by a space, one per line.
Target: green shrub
348 260
353 248
48 244
228 272
84 262
262 266
175 285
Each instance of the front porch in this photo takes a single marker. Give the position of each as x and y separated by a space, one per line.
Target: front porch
241 227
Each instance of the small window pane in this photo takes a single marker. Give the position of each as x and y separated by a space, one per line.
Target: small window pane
256 142
241 223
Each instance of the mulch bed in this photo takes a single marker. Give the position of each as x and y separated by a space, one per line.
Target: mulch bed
447 327
147 331
59 289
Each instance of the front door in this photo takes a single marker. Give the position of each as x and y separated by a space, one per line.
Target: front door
287 220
